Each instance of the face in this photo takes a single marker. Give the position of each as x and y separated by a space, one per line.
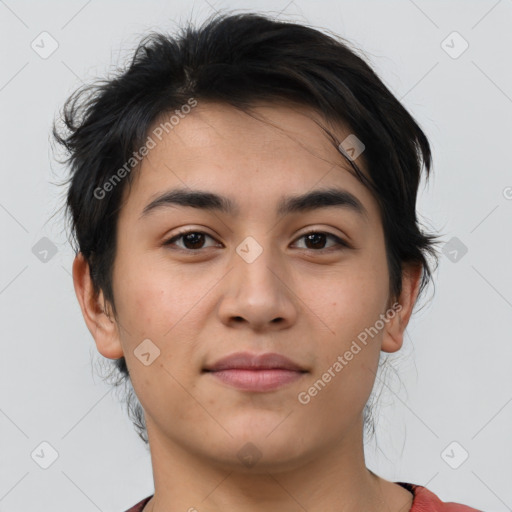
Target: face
300 279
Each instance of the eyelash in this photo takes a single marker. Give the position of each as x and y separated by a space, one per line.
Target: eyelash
340 244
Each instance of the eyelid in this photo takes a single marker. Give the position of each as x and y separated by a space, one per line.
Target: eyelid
341 242
186 231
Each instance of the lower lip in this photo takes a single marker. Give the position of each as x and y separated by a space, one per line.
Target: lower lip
257 380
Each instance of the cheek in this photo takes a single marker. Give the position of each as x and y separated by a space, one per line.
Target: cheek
160 303
348 357
350 303
147 301
353 297
156 304
152 310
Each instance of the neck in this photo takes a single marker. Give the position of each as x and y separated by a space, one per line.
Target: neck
335 480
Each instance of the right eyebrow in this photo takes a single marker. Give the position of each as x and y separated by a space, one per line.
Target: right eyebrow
194 199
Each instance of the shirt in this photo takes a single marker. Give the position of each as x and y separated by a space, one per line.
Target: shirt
423 501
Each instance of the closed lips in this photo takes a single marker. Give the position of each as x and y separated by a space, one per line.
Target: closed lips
255 362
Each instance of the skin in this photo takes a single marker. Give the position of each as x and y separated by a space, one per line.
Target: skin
305 301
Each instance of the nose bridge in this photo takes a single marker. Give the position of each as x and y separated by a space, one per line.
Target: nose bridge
255 291
257 265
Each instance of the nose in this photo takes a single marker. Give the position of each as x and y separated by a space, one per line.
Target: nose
258 294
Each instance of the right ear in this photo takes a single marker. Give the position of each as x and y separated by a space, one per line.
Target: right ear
101 325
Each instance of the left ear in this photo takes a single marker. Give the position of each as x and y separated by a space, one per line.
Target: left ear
394 329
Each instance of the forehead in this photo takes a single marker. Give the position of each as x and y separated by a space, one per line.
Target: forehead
274 126
273 148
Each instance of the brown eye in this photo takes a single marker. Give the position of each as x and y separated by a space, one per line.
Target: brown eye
191 240
316 241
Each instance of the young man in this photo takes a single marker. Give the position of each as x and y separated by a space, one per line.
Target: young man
243 204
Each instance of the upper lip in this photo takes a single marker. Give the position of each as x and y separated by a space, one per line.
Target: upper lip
247 361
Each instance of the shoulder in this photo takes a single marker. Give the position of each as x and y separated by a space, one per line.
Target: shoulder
426 501
139 506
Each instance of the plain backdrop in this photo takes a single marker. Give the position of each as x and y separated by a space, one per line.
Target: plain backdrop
449 63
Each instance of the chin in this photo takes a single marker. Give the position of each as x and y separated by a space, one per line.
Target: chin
260 449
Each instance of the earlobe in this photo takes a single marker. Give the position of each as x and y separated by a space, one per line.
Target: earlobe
98 318
400 313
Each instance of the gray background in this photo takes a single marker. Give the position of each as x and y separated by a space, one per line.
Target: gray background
455 370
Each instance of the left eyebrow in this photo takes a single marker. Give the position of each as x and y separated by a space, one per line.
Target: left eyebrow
323 198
